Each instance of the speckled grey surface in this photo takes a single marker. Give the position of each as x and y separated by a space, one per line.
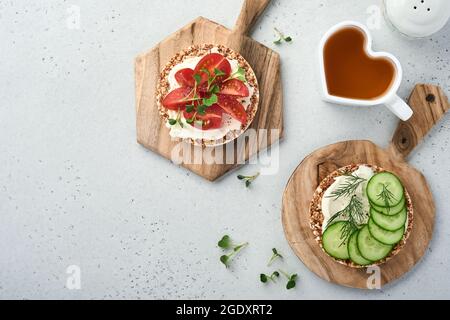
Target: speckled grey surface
76 189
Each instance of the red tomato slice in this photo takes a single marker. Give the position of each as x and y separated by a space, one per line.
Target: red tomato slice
176 99
233 107
215 109
211 62
234 87
211 120
185 78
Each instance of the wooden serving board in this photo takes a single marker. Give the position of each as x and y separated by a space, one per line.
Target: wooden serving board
429 104
151 130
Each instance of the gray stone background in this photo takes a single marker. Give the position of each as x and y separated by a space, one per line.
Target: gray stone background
76 189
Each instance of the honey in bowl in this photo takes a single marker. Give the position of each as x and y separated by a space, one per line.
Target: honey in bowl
350 71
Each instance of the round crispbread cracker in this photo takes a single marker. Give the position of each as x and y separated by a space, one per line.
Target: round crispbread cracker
316 215
163 88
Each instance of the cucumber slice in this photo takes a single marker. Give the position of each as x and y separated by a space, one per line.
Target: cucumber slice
390 223
333 243
387 184
390 211
385 236
370 248
354 253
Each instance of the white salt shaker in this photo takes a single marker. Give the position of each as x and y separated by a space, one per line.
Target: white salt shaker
417 18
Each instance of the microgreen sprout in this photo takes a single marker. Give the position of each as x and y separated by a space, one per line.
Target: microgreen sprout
208 102
227 244
177 120
281 37
292 279
275 256
239 74
248 179
197 78
264 278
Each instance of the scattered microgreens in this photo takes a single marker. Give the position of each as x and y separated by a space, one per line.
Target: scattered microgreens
387 196
248 179
264 278
176 121
355 214
347 188
281 38
226 244
275 256
292 279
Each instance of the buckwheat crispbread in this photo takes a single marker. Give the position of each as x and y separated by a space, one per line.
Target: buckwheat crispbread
163 87
316 215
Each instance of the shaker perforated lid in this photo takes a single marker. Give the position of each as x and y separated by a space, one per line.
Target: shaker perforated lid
418 18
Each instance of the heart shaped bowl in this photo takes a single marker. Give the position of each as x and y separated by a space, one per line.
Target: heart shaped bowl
388 96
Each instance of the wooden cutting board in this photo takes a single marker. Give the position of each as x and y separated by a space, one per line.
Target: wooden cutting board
151 130
429 104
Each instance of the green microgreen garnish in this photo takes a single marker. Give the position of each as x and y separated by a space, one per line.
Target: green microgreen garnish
218 73
201 110
248 179
347 188
387 196
177 120
202 104
190 108
264 278
354 212
239 74
215 89
208 102
197 78
275 256
227 244
281 37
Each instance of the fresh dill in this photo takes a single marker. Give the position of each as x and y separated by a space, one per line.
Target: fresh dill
387 196
354 212
347 188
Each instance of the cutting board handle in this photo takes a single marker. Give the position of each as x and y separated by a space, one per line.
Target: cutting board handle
251 11
429 104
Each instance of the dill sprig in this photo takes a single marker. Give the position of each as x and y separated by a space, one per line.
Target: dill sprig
347 188
387 196
355 214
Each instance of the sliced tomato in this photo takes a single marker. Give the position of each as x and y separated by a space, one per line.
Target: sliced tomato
176 99
234 87
211 120
215 109
185 77
211 62
233 107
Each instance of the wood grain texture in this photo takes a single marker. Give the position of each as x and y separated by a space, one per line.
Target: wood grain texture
151 131
314 168
250 13
431 104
